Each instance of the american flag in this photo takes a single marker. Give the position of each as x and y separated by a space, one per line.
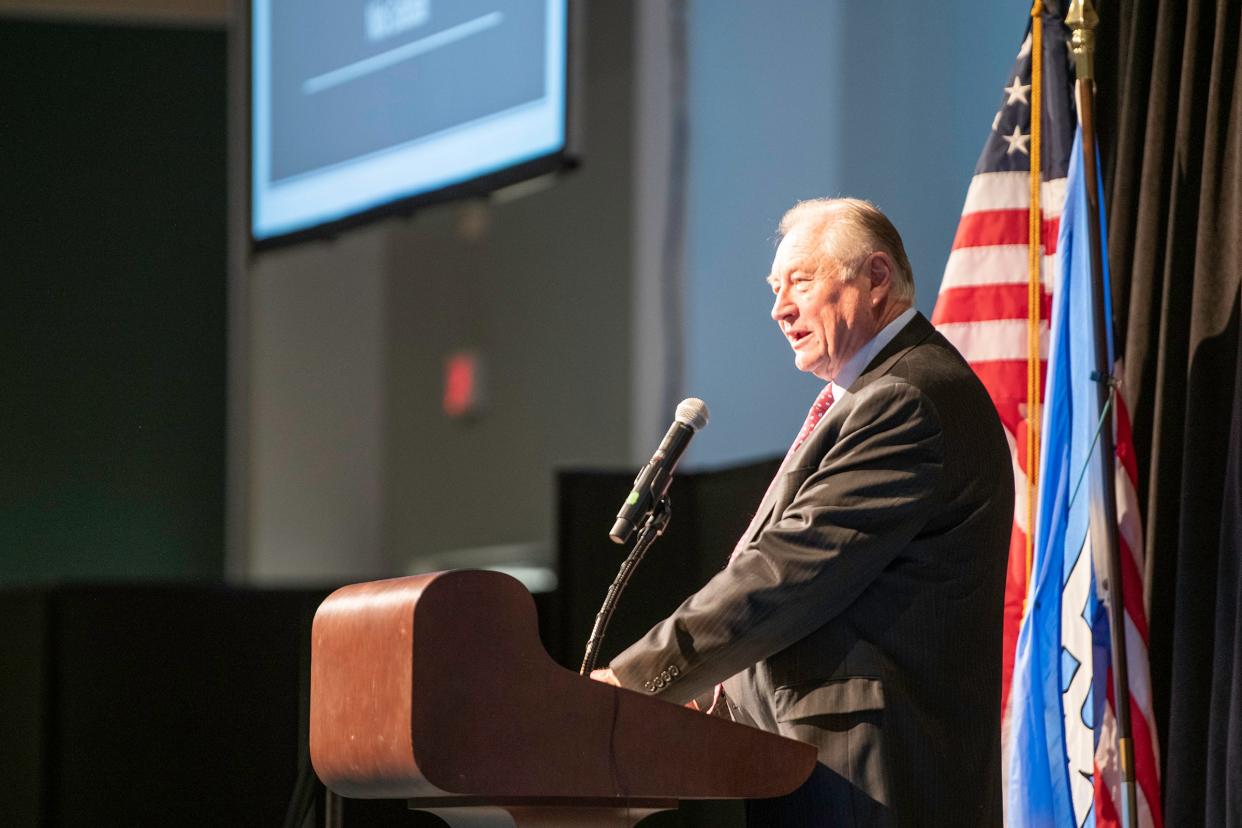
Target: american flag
983 310
982 307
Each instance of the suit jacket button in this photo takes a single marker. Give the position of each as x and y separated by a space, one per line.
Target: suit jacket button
673 671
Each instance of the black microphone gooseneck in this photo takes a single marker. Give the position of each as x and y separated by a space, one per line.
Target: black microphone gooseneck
647 503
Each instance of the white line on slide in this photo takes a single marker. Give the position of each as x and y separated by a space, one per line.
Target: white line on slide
353 71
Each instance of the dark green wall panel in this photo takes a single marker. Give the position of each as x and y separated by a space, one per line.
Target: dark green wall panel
112 302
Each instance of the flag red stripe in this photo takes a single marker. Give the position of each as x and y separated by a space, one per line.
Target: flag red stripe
1011 620
993 227
979 302
1005 380
1105 810
1146 774
1132 589
1125 442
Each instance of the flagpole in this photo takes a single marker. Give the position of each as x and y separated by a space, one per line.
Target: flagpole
1082 20
1034 291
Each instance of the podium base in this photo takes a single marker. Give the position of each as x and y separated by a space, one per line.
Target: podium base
472 812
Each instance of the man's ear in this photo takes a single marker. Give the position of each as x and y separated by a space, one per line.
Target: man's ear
879 270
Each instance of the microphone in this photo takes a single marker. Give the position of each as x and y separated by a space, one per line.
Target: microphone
653 481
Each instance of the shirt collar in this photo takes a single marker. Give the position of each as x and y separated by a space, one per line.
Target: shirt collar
854 366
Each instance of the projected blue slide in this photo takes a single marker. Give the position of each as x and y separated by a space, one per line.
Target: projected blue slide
357 103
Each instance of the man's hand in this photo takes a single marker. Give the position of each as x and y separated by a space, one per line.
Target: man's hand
605 676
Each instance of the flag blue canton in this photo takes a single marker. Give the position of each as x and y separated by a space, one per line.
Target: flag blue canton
1008 148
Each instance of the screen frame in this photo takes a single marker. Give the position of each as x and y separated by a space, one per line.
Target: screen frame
567 158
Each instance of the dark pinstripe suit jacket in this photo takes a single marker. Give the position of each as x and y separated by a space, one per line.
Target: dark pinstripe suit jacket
862 612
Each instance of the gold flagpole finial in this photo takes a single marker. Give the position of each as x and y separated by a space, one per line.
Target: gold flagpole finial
1082 20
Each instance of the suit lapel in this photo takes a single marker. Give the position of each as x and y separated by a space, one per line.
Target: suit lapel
768 503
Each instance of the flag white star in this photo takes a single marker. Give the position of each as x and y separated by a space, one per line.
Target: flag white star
1017 141
1026 47
1017 92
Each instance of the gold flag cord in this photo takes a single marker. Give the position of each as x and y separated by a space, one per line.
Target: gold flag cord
1034 289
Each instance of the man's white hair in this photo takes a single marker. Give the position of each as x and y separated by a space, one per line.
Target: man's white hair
850 230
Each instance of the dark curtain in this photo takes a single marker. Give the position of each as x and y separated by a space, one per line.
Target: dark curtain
1170 117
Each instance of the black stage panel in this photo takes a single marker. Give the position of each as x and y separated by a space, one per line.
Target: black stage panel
163 705
710 512
148 705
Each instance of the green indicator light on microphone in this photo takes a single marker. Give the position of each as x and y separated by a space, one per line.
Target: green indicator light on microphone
632 499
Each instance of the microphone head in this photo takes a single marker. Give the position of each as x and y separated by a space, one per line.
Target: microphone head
692 412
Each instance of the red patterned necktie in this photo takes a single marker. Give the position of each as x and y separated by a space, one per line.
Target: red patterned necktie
822 403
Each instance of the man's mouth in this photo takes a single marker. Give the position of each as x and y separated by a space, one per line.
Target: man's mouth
796 337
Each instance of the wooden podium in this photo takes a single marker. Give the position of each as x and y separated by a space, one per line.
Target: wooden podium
435 689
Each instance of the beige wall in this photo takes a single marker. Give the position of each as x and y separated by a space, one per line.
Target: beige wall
317 340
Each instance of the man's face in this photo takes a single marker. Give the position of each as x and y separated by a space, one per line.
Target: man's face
825 318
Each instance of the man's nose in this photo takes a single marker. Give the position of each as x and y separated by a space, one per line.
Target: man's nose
782 308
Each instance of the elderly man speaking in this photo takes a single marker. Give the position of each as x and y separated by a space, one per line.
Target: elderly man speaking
861 610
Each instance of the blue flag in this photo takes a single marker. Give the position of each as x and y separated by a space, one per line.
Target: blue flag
1055 701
